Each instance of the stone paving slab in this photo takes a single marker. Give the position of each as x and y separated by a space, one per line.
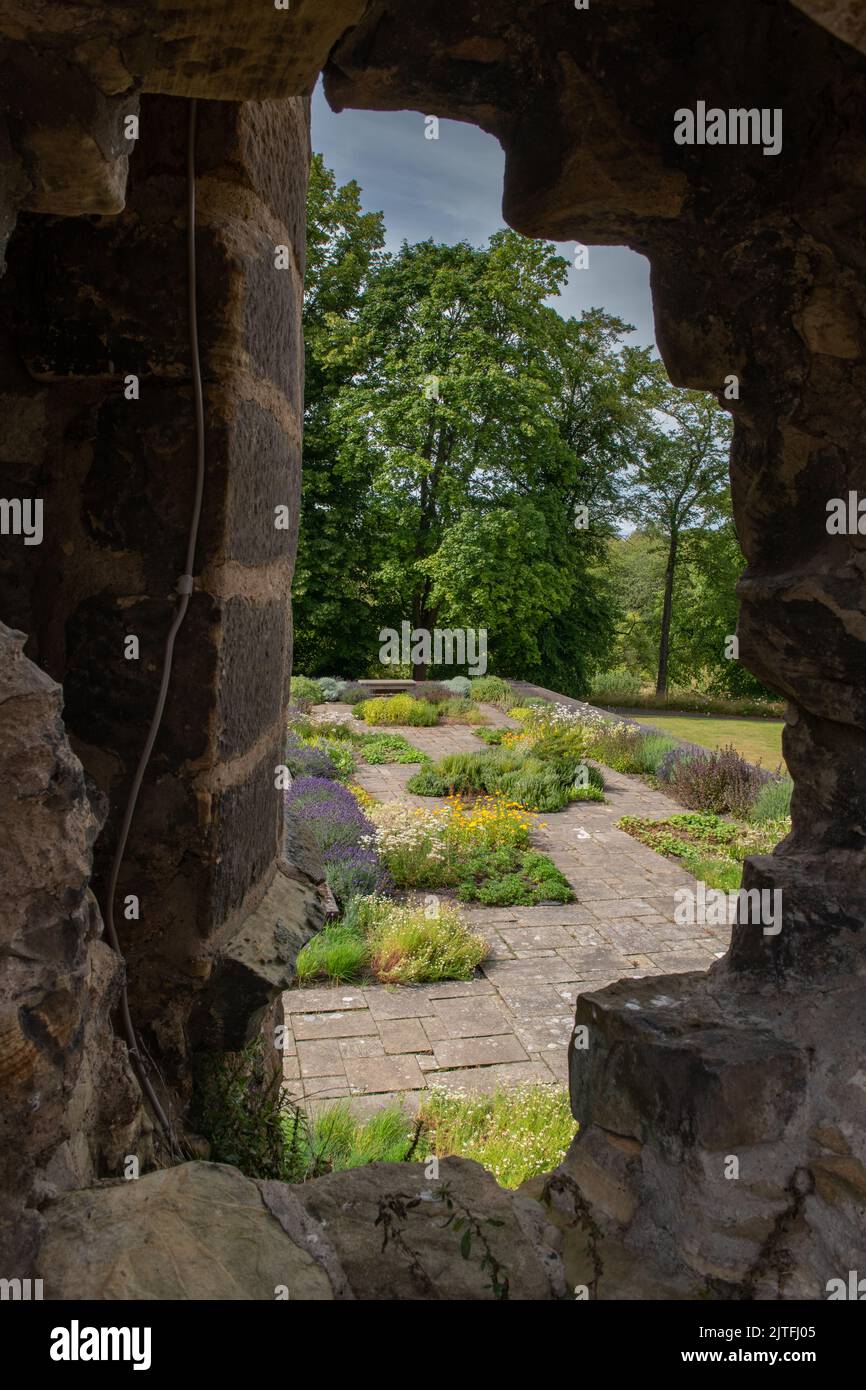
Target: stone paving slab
375 1045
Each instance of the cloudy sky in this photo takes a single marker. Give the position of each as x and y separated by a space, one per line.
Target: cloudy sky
450 189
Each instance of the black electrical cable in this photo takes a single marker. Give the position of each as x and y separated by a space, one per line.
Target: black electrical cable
184 589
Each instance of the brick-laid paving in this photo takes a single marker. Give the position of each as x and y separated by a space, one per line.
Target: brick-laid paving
511 1024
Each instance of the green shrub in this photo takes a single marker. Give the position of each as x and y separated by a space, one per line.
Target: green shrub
773 801
539 784
303 688
459 686
617 746
428 782
719 781
332 688
462 711
614 687
398 709
492 689
650 752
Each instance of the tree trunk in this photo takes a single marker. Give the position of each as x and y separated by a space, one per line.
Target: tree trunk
664 641
420 622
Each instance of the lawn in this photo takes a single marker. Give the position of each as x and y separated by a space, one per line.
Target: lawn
756 740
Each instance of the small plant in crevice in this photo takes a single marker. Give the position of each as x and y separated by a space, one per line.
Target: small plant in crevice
395 1211
242 1109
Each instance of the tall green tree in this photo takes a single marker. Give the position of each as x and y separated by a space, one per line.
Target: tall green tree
331 589
482 421
680 480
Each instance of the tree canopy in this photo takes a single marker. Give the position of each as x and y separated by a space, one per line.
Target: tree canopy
470 455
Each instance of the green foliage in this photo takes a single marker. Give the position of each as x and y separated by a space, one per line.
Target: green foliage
619 687
241 1108
394 943
339 952
618 746
408 946
303 688
339 1140
389 748
452 415
399 709
650 752
507 877
492 689
773 802
545 780
492 737
708 846
515 1134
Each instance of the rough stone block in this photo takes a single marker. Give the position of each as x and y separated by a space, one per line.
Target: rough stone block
253 660
654 1068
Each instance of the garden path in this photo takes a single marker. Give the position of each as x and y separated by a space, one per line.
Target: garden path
511 1025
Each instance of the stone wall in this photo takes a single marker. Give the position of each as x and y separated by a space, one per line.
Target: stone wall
70 1103
88 304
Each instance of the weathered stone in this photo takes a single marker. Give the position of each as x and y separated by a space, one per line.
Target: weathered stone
62 1067
654 1067
255 963
386 1223
198 1231
478 1052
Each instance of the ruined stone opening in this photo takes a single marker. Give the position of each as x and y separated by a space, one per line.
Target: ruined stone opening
757 269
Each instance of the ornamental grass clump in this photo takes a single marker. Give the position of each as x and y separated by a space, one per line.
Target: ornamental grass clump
394 943
412 943
773 802
651 752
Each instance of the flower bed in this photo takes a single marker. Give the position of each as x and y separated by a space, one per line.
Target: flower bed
708 846
343 834
541 766
480 850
